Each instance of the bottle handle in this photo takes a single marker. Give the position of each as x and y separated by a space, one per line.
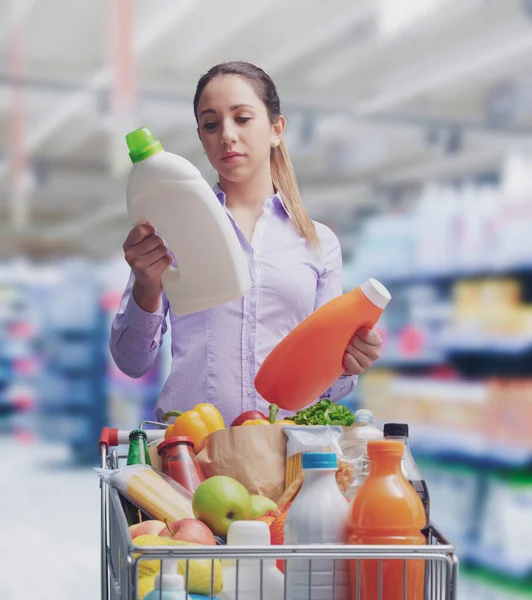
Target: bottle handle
171 274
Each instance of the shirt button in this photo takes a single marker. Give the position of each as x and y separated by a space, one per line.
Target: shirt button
250 391
248 355
250 318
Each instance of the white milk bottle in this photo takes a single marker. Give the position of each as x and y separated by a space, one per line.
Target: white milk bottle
318 515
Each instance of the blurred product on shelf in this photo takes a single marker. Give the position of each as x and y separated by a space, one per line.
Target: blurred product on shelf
453 229
494 411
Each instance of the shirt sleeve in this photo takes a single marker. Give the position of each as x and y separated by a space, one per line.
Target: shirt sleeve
136 335
330 285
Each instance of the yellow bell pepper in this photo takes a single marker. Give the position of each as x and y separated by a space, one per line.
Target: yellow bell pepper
274 409
196 424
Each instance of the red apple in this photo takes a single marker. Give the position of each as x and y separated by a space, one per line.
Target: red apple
189 530
152 527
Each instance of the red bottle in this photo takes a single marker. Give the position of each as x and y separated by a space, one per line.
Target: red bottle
180 462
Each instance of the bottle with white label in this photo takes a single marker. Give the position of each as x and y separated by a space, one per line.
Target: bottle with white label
170 193
318 515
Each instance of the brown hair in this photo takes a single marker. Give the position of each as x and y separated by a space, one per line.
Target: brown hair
283 175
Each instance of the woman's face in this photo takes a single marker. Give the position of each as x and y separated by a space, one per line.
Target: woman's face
235 129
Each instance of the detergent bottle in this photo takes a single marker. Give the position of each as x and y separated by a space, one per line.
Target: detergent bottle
310 358
169 192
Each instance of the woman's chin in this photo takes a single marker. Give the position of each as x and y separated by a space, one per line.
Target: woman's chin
234 173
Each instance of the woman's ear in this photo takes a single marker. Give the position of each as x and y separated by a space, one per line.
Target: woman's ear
278 130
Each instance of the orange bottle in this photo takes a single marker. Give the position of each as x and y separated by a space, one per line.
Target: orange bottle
310 358
386 510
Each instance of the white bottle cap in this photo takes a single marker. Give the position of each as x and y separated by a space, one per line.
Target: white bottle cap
249 533
376 293
169 578
363 415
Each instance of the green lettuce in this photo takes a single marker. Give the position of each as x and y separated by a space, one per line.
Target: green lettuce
324 412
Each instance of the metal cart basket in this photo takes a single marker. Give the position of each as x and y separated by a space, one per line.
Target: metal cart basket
120 558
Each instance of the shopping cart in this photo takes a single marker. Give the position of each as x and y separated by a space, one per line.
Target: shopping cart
120 558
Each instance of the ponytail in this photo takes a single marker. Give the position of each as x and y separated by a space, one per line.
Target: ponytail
284 181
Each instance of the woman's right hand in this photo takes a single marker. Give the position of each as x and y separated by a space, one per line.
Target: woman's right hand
147 255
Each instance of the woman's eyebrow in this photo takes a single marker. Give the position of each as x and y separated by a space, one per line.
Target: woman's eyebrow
211 111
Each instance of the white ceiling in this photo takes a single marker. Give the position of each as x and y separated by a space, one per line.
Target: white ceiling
372 99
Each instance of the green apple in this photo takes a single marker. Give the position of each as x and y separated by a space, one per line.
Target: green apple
260 505
219 501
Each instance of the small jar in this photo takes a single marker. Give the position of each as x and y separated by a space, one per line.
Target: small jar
180 462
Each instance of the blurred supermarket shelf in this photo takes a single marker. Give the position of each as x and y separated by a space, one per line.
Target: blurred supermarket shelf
468 447
514 568
521 271
486 344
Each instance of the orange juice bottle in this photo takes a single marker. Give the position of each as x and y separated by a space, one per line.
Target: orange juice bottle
386 510
310 358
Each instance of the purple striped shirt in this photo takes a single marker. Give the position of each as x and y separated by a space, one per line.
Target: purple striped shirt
216 352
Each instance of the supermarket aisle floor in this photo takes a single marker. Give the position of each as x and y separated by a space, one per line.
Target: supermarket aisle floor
51 528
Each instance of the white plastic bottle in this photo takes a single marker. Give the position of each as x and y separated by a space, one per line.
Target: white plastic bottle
169 192
354 443
318 515
169 585
251 533
355 440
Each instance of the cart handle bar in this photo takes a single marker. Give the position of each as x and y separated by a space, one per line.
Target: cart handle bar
111 437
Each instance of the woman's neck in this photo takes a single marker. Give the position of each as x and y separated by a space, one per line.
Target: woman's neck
249 195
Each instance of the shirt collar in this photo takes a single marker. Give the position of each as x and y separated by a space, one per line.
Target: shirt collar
276 199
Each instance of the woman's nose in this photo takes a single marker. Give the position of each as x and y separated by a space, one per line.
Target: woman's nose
228 135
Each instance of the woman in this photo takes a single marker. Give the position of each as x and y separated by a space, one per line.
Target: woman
295 264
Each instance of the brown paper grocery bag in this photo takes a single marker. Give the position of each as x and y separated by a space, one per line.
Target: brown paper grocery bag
253 455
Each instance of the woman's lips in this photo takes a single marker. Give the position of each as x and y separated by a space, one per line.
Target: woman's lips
232 157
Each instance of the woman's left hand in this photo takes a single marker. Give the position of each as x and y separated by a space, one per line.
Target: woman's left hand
362 351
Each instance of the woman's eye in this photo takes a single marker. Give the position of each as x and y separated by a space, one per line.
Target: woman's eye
210 125
243 119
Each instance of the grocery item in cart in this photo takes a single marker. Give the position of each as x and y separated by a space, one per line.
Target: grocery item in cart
199 573
247 585
309 359
138 448
169 584
264 450
179 462
302 439
318 515
197 423
400 431
386 510
154 493
353 444
170 193
137 455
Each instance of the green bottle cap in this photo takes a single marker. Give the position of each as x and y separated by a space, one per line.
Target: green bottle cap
142 144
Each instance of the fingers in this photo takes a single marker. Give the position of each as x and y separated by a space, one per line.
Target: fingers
147 245
370 336
362 351
137 234
355 362
373 352
143 261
